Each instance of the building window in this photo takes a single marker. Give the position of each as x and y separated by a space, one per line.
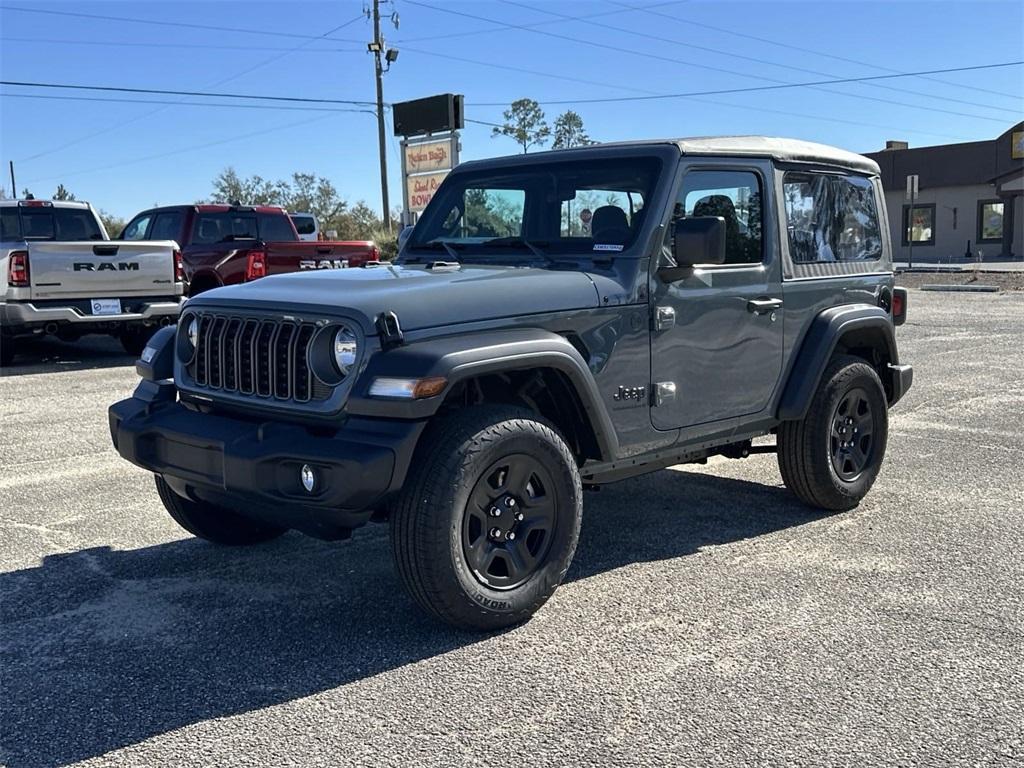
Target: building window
921 226
990 221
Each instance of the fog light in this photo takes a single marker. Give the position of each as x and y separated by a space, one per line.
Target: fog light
308 478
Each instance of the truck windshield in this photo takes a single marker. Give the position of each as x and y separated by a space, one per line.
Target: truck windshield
49 223
593 207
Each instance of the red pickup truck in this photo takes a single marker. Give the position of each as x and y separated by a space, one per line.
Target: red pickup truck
225 244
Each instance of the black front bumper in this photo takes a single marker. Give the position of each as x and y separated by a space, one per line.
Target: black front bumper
254 467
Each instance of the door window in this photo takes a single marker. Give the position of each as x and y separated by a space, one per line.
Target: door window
831 218
276 228
136 229
735 197
167 226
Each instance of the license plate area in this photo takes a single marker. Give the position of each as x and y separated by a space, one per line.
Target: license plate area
105 306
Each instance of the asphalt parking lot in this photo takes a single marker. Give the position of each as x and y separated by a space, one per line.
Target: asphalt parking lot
708 617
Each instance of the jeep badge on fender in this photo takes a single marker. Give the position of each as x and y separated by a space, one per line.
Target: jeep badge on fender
468 392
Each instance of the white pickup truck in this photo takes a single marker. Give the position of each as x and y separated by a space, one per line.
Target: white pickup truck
62 275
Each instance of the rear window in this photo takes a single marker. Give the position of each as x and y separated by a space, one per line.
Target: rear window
228 226
46 223
223 227
276 228
304 225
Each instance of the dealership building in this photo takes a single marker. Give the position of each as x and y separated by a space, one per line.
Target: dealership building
969 200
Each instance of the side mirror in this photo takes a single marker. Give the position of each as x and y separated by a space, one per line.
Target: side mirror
403 236
695 240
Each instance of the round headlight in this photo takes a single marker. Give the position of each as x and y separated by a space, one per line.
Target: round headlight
193 332
345 348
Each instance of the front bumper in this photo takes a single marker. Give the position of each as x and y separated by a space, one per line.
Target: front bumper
255 467
15 314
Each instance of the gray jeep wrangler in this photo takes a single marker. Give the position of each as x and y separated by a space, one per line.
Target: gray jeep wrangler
554 322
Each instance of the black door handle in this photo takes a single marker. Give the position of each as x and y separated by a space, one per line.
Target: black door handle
763 306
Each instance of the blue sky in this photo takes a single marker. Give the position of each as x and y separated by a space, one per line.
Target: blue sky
126 156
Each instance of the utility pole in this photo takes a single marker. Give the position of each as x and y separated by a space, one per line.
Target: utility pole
14 187
377 46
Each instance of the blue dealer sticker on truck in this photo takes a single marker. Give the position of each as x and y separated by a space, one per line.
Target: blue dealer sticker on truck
607 247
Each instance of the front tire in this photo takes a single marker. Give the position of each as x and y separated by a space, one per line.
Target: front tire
214 523
831 457
488 524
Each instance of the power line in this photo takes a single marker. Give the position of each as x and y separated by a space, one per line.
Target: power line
646 54
176 46
734 55
472 32
168 92
121 124
649 10
40 96
755 88
161 23
182 150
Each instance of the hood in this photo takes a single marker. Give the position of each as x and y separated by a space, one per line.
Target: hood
421 297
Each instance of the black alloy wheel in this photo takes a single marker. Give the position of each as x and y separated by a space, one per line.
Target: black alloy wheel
852 439
509 522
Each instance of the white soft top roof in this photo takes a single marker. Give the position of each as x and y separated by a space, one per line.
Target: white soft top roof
787 150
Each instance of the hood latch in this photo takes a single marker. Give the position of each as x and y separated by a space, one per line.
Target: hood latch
389 330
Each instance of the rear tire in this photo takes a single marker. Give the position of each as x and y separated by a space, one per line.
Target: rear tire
7 352
134 339
459 560
831 457
214 523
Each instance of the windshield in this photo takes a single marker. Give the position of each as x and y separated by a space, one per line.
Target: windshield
592 207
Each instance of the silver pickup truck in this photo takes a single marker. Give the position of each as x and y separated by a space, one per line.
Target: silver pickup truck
63 276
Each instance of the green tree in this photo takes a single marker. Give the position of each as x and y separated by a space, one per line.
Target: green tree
569 131
113 224
524 122
63 194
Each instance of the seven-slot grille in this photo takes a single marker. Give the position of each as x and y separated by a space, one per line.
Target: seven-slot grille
263 358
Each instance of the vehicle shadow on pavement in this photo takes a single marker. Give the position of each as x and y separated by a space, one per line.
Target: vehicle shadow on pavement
103 649
51 355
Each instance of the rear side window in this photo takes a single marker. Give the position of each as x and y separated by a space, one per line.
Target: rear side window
61 224
304 225
831 218
276 228
218 227
167 226
10 225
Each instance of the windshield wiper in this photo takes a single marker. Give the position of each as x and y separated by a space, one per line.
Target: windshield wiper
518 242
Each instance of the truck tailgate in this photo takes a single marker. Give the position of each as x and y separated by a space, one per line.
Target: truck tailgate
92 269
291 257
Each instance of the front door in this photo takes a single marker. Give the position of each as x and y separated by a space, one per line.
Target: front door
716 336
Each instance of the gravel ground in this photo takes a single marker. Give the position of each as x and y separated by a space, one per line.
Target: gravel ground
707 619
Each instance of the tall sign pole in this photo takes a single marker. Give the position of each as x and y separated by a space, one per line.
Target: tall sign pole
14 187
378 50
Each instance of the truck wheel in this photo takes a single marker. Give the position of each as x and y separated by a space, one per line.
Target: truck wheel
488 522
134 339
214 523
831 458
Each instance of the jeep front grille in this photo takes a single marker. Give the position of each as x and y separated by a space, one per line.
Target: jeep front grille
261 358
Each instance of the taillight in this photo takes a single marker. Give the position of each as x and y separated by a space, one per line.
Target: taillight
374 253
17 269
256 266
179 267
899 306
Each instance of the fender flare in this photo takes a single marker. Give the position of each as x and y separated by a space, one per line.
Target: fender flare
818 345
465 356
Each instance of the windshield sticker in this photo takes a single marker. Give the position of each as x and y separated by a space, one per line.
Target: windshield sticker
607 247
